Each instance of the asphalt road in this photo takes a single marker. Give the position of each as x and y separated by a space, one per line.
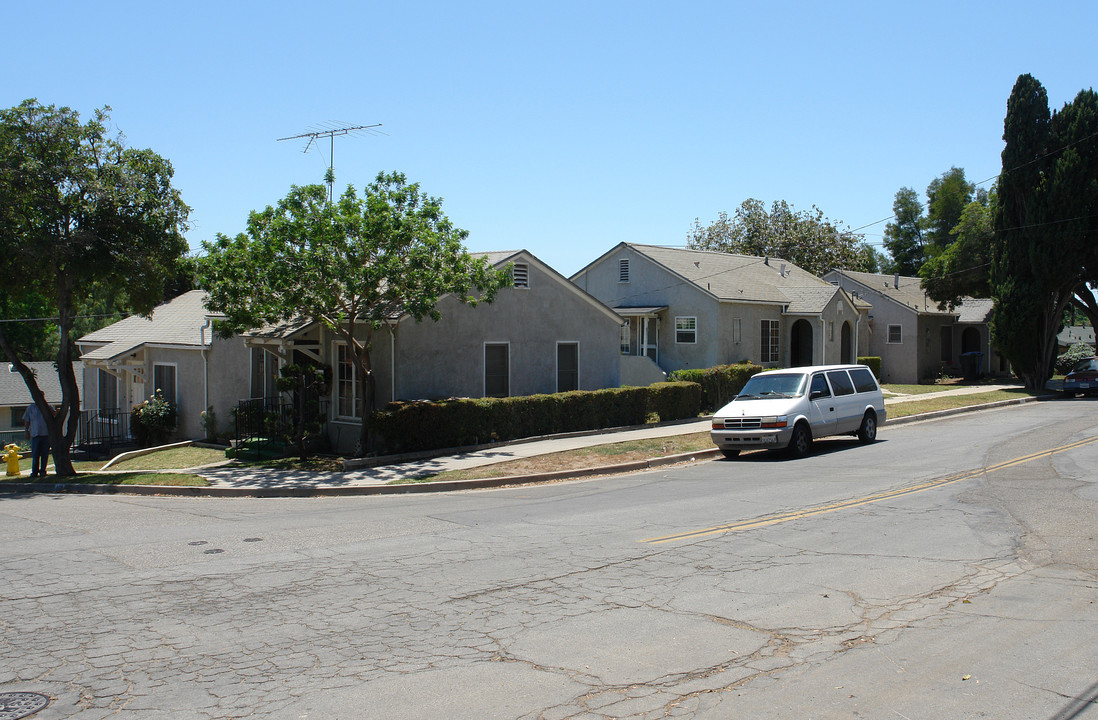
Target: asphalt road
948 571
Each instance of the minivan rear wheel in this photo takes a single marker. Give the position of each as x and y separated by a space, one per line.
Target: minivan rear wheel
800 444
867 433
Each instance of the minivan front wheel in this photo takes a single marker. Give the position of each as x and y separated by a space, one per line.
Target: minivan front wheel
800 444
867 433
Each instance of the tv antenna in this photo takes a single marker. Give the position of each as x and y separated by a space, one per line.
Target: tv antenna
331 133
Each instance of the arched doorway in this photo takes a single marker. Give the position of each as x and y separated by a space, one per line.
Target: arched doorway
846 343
970 340
800 344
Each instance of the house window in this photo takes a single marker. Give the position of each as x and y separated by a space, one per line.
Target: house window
346 383
264 374
497 370
736 331
108 391
520 273
164 382
686 330
895 334
831 331
568 371
17 413
623 270
626 344
770 341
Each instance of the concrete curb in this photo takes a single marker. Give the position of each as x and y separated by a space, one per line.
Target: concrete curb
450 486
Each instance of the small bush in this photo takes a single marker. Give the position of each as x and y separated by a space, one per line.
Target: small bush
1075 353
874 364
153 421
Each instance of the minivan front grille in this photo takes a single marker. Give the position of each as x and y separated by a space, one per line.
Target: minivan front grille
746 423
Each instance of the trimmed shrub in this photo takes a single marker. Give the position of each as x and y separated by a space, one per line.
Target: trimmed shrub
719 384
1075 353
461 422
874 364
675 400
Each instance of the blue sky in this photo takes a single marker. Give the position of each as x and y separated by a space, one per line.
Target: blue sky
563 128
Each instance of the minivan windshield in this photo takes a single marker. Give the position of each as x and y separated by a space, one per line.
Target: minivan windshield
776 385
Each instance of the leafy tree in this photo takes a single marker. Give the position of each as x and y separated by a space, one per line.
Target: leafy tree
964 266
947 197
807 239
79 212
1045 249
903 237
354 266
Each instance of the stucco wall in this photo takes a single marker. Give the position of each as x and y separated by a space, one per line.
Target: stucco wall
447 358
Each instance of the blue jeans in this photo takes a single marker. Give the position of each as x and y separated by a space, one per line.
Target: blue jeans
40 455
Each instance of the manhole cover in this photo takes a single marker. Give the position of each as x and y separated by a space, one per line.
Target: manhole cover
15 705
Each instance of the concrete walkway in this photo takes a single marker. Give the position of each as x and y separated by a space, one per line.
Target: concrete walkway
230 476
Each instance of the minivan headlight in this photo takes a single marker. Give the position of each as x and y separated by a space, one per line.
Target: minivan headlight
774 421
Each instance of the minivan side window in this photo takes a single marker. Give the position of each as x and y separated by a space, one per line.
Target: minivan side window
819 387
863 380
840 382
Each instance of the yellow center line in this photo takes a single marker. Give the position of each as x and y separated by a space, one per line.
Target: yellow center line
866 500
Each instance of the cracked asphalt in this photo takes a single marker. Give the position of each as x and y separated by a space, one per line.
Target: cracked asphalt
968 598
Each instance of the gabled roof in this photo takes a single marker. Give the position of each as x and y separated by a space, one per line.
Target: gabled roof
176 323
908 291
497 259
741 278
13 391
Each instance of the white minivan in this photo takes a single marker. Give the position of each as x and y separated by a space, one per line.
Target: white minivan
788 408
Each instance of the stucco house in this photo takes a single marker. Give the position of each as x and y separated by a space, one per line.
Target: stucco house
697 309
914 339
15 397
541 335
175 351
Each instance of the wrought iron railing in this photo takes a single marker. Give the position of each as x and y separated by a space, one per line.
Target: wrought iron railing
263 425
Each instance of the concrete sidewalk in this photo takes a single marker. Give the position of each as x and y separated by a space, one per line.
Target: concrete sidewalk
243 478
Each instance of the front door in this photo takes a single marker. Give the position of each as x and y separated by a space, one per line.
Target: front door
800 344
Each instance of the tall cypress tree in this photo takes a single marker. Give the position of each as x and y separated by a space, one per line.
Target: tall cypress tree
1044 250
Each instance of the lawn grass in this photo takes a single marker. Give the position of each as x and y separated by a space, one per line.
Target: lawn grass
131 478
917 407
580 459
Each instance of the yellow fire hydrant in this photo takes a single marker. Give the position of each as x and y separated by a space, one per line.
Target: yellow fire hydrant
12 456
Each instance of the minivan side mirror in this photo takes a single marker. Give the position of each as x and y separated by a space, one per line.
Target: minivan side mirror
817 394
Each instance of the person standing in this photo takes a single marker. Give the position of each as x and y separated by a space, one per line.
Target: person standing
39 435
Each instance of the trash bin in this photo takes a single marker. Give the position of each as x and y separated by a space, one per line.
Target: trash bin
970 365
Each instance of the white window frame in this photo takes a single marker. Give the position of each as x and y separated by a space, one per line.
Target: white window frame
174 399
339 347
484 367
623 270
899 335
520 276
686 324
737 331
556 361
770 347
626 344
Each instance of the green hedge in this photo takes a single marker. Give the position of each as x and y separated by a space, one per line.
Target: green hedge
719 384
460 422
874 364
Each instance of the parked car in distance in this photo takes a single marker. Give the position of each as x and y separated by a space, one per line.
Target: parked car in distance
789 408
1083 378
